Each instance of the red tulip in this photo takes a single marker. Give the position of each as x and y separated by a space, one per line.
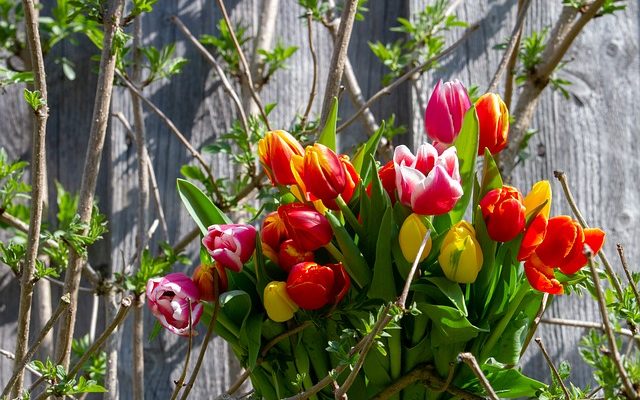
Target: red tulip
541 277
231 245
170 298
290 255
275 151
321 172
533 236
427 182
387 176
273 233
312 286
308 229
203 277
503 213
445 111
493 120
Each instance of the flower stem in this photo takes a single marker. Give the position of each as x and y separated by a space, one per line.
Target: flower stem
333 250
349 216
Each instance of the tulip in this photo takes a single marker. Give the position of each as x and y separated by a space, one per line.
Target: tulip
564 244
308 229
273 233
231 245
503 213
290 255
387 176
445 111
541 277
493 123
312 286
539 193
279 306
321 172
204 276
460 255
533 237
427 182
411 236
275 151
174 300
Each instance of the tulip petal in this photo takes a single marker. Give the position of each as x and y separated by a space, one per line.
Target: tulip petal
561 235
541 277
533 236
436 194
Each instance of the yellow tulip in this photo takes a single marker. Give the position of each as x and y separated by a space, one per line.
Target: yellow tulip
460 255
411 235
279 306
539 192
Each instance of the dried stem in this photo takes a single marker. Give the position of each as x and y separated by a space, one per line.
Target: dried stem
112 348
536 322
262 41
183 375
91 167
564 32
627 272
408 75
186 239
243 62
211 60
339 57
11 356
205 342
38 189
582 324
237 384
471 361
613 347
613 277
314 83
511 46
553 368
22 363
508 82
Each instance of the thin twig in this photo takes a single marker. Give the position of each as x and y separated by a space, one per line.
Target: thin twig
263 40
553 368
511 65
536 322
583 324
338 58
471 361
389 88
12 356
511 46
95 146
283 336
627 272
238 383
186 240
38 189
613 347
21 364
221 75
613 277
183 375
314 82
205 342
243 62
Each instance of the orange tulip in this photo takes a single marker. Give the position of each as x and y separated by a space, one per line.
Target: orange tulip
503 213
203 278
323 174
275 151
312 286
493 120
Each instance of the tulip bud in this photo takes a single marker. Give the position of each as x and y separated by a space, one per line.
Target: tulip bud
308 229
290 255
460 255
275 151
445 111
411 236
279 306
503 213
493 123
231 245
203 277
322 172
539 193
312 286
170 298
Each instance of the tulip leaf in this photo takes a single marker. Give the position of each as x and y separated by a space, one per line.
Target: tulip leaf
451 324
379 202
507 349
200 207
382 284
315 343
491 178
250 335
236 306
487 273
354 262
467 147
369 148
328 134
508 383
452 291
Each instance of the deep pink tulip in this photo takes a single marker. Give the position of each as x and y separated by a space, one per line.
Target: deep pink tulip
308 229
169 299
445 111
231 245
427 182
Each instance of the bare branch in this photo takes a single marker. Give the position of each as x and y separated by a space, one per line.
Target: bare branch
264 39
553 368
314 83
471 361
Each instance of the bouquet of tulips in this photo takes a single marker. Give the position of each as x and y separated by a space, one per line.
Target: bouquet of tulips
376 280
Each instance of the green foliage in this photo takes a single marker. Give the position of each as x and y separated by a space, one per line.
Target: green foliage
141 6
162 63
151 267
61 384
12 255
592 349
425 39
95 367
9 77
34 99
11 184
223 44
276 59
555 391
609 6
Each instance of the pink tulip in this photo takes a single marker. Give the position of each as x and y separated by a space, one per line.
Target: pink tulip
169 299
231 245
445 111
427 182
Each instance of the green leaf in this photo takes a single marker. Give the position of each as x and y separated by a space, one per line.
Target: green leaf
382 284
354 262
508 348
328 134
377 206
491 178
369 148
250 335
452 291
511 383
200 207
467 147
451 323
34 99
